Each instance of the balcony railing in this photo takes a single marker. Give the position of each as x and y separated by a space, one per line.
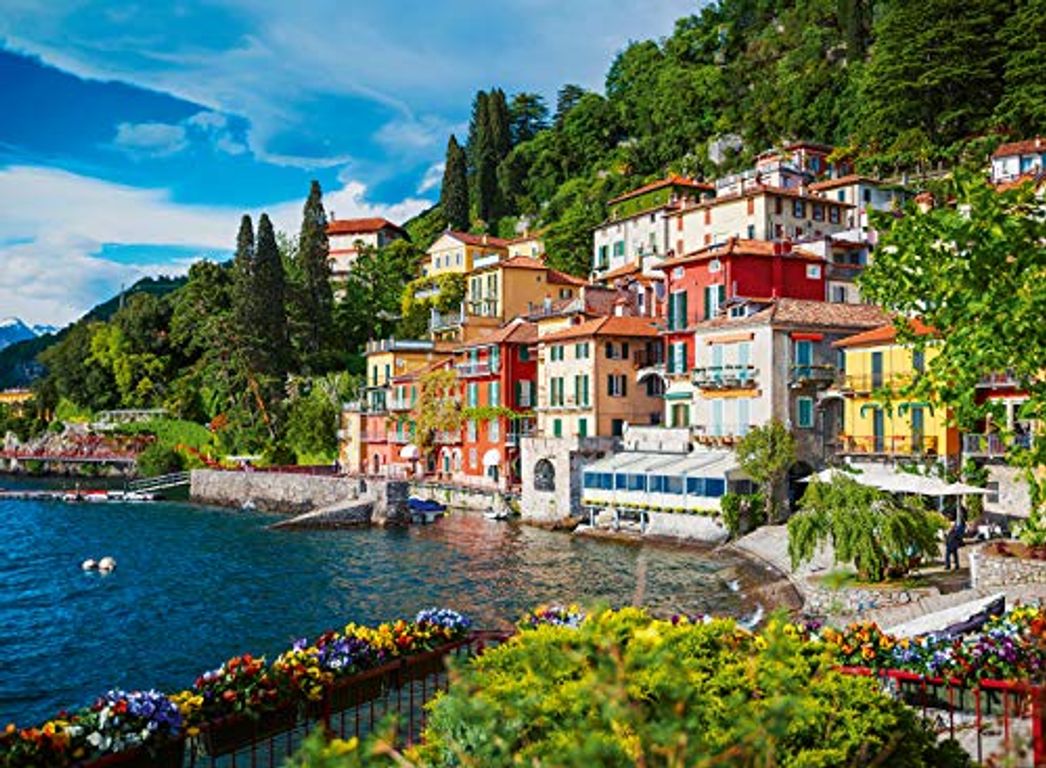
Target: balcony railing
867 382
430 292
993 445
813 374
400 404
447 438
400 439
720 434
844 272
725 376
994 380
445 321
487 260
898 445
373 437
466 370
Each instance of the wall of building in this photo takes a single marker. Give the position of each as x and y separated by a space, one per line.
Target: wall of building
646 233
567 456
1014 495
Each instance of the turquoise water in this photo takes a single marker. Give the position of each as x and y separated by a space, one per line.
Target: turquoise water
196 585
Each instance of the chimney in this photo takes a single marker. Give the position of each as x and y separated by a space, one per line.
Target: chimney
484 238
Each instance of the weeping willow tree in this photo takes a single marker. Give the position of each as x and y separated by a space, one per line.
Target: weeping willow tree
865 526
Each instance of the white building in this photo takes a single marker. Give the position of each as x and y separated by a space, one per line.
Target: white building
1017 158
348 237
864 194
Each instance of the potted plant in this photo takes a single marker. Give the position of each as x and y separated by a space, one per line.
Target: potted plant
437 632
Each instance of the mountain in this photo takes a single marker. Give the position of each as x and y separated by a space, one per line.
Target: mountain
44 330
13 330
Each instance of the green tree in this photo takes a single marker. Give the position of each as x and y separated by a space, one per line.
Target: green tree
766 454
243 298
527 116
567 98
269 327
370 307
438 407
158 460
865 526
1023 105
454 194
500 124
314 298
974 271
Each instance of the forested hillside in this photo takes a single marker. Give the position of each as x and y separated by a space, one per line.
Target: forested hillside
897 85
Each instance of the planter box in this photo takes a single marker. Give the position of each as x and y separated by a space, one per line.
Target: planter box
428 663
238 731
354 691
164 754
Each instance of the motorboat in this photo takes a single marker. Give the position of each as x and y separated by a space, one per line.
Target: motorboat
425 511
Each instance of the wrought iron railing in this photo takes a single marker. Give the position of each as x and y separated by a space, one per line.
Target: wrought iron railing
725 376
896 445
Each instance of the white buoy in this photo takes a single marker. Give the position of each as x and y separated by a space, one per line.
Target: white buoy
107 564
89 564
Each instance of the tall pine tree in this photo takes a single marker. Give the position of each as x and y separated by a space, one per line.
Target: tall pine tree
271 316
454 195
314 299
527 115
500 124
242 277
485 160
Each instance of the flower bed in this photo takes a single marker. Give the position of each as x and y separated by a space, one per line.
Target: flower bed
242 701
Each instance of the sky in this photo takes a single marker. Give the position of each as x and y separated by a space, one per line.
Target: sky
134 135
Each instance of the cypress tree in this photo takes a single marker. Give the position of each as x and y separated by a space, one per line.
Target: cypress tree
476 123
485 160
242 276
454 194
315 298
500 124
270 291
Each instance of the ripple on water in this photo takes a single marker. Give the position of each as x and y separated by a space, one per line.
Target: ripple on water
197 585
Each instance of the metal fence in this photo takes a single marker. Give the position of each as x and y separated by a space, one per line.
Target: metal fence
997 722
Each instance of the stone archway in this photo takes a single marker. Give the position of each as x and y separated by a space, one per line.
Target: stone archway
796 488
544 475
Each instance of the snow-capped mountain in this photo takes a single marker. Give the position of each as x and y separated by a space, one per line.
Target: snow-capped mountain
13 330
44 330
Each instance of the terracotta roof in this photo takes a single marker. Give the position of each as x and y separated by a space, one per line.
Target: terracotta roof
804 313
606 326
517 331
562 278
518 262
885 334
417 373
470 239
526 238
668 181
360 226
1035 178
1025 147
625 271
843 181
735 246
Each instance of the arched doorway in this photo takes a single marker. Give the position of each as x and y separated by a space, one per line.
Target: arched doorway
796 487
544 476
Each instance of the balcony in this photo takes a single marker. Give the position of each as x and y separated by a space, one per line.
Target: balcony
400 439
466 370
719 434
483 307
398 345
898 445
818 375
725 376
400 404
430 292
446 321
447 438
843 272
998 380
993 445
514 436
373 437
487 260
864 383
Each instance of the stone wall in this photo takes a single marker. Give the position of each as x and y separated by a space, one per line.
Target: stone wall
855 602
476 499
288 494
567 456
992 570
701 528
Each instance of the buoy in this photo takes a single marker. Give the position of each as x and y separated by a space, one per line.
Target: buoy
89 564
107 564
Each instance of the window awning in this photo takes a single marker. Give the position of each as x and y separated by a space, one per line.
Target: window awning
491 458
409 452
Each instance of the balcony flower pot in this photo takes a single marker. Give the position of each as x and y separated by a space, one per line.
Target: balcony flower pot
165 753
421 666
235 732
354 691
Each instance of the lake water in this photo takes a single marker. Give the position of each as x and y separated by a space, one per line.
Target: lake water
196 585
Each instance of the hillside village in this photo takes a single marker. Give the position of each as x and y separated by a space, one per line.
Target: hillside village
710 309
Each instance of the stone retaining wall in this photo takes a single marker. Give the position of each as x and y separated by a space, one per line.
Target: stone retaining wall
477 499
287 494
701 528
856 602
991 570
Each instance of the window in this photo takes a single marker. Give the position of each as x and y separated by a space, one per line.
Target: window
804 412
494 394
495 359
556 393
715 487
679 223
473 458
619 248
557 352
743 415
833 214
472 394
919 360
751 206
813 271
617 384
524 354
867 195
695 486
581 351
557 427
471 430
604 257
677 360
494 430
839 294
799 209
841 196
581 390
653 218
751 231
582 430
708 216
523 393
655 386
818 212
715 295
388 372
565 293
778 206
992 496
617 427
677 311
636 482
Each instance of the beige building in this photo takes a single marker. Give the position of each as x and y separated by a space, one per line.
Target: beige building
759 213
587 378
526 245
349 237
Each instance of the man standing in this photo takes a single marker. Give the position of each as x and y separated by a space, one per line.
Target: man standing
953 541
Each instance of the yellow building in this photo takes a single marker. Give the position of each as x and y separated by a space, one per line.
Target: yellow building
587 378
16 399
875 362
526 245
462 252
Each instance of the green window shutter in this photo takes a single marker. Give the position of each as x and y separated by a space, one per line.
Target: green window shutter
707 313
557 427
722 294
671 312
584 383
681 308
582 427
517 391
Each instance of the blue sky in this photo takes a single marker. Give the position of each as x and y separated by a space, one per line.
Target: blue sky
135 134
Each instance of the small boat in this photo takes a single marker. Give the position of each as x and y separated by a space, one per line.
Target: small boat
95 497
139 496
497 514
425 511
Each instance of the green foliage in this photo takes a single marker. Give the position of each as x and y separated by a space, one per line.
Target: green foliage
865 526
454 194
527 115
742 513
974 271
69 411
312 307
438 407
312 418
173 433
414 321
1023 105
370 304
766 454
626 690
158 460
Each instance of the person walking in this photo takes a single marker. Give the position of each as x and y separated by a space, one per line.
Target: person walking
953 541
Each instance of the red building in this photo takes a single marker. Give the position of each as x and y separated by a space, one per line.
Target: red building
497 375
699 284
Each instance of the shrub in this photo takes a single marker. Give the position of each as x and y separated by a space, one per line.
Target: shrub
623 690
742 512
159 459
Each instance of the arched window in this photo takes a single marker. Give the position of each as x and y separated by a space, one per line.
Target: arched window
544 476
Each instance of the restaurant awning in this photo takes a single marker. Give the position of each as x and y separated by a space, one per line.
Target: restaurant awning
893 481
491 458
409 452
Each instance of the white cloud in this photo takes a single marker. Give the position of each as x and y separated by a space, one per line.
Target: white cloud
54 223
433 178
155 139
